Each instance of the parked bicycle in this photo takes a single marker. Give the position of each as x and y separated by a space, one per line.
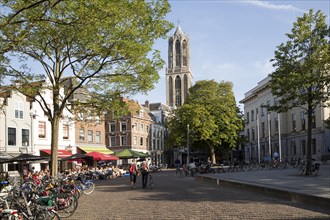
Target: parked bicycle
301 168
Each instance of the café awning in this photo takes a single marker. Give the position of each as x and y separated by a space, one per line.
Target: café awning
102 150
60 154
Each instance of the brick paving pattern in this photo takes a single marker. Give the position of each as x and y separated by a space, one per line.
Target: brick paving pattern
179 197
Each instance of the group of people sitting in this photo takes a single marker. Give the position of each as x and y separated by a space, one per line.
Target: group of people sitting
97 173
33 174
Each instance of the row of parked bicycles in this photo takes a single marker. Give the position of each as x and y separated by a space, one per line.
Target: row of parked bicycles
42 199
299 164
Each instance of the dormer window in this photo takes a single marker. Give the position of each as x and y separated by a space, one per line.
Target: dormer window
19 110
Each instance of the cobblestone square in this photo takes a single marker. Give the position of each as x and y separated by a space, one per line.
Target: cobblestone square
180 197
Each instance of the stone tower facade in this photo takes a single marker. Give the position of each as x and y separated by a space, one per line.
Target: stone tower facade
178 72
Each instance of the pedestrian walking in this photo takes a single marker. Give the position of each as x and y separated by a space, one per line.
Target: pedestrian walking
144 173
133 170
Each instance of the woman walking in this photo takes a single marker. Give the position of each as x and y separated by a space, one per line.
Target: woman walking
133 173
145 173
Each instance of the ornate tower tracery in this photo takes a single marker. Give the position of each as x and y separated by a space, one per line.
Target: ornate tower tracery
178 72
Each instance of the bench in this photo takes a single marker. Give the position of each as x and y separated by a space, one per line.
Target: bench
325 158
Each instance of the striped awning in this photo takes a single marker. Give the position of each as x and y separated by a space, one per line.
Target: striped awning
102 150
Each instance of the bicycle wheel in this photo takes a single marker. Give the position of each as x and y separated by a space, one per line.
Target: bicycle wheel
68 208
315 169
46 214
300 169
88 187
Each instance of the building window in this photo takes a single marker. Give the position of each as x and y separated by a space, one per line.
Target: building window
177 53
135 140
248 134
141 128
12 136
253 134
313 120
123 126
293 119
19 106
262 109
82 135
25 137
42 129
65 132
135 126
123 140
98 137
252 115
178 101
314 146
184 53
112 141
263 129
141 114
247 118
90 136
112 127
302 119
276 125
141 141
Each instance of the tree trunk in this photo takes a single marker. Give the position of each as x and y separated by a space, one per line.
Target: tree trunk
54 146
212 154
309 140
55 126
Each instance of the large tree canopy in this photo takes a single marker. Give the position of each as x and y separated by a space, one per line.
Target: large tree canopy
302 69
105 46
212 116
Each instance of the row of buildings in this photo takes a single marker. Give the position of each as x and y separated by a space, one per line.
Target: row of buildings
24 128
285 133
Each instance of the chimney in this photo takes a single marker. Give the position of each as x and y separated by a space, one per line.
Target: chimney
146 104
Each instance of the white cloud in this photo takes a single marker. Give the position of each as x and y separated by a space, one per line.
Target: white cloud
264 67
268 5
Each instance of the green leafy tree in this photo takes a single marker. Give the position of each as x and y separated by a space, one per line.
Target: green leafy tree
302 70
211 113
102 46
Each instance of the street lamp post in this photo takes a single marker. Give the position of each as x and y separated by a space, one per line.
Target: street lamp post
188 144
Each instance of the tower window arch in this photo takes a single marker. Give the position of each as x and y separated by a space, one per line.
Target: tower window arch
170 88
178 91
184 53
170 53
177 53
185 85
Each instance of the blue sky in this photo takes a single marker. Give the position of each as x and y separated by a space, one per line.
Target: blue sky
232 40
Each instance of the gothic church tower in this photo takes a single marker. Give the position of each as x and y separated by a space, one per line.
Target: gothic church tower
178 72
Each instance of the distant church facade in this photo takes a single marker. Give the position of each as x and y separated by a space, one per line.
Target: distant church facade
178 72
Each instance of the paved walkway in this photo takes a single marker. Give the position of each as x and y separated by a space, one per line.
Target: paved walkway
283 183
182 197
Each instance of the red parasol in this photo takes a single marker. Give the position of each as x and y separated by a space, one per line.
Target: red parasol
99 156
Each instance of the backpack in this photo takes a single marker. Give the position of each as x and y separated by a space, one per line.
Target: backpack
131 169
